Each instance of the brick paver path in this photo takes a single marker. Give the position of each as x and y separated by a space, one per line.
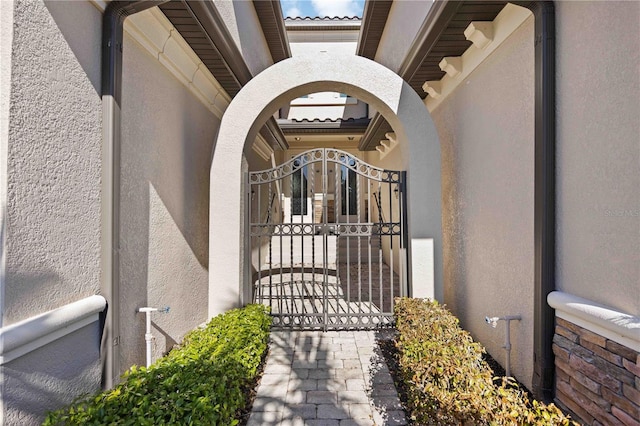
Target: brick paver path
334 378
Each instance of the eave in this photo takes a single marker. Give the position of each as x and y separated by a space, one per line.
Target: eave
374 19
339 126
202 27
441 35
272 23
322 24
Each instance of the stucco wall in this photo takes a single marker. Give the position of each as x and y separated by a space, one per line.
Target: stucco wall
403 22
393 160
486 128
167 139
51 376
318 47
6 41
242 22
53 197
598 152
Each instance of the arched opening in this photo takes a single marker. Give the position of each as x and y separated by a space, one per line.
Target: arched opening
371 82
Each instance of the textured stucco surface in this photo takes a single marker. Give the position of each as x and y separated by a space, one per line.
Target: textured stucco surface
242 22
487 131
53 211
322 47
598 152
6 41
46 378
403 23
167 138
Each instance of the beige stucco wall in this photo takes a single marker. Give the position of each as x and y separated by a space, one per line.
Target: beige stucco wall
51 377
391 161
318 47
167 139
486 127
598 152
53 160
51 145
242 22
6 42
403 22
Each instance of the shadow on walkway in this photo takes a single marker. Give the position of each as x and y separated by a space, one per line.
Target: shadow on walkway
325 378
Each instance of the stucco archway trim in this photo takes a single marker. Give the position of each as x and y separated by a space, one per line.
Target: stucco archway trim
255 103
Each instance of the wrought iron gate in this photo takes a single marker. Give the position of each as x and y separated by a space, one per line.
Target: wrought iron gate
327 239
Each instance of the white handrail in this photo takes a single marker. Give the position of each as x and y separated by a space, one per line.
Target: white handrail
27 335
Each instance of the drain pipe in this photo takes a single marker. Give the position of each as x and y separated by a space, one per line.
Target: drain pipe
112 42
493 322
544 198
148 337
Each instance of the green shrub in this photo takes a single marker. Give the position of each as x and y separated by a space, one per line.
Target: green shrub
447 381
204 381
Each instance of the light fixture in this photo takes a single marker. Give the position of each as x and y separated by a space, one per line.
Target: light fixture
297 138
396 190
350 138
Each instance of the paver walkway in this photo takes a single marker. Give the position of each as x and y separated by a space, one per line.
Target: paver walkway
334 378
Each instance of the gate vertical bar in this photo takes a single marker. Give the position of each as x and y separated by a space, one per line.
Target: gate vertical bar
281 277
405 235
390 236
269 225
325 270
380 248
251 238
402 247
259 242
370 221
313 252
339 195
303 205
347 211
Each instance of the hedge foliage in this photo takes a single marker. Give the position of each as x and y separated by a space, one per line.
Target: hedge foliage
448 382
204 381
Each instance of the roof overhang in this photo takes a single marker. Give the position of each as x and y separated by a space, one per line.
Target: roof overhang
374 19
441 35
338 126
323 24
272 23
203 28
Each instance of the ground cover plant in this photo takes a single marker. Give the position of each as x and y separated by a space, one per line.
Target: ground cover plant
446 380
205 381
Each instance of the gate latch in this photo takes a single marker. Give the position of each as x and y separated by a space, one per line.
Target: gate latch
326 229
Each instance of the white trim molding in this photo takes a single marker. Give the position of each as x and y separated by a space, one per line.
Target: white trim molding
28 335
618 326
262 148
155 33
486 38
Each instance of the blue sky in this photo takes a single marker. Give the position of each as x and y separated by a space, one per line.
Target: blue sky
312 8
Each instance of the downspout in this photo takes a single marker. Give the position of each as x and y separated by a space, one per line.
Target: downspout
544 197
112 42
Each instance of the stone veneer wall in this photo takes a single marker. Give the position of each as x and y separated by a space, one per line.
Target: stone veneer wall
597 379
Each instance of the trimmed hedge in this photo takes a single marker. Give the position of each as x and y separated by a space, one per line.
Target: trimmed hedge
204 381
448 382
